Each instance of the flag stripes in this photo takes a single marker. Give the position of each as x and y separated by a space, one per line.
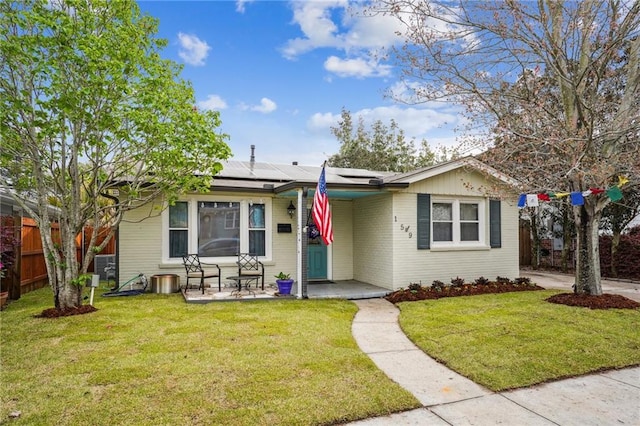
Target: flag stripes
321 212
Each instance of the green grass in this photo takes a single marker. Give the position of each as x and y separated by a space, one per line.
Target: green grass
518 339
154 360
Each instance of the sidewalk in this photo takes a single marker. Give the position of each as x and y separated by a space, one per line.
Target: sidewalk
610 398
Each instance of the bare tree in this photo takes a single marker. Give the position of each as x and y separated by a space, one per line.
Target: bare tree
555 85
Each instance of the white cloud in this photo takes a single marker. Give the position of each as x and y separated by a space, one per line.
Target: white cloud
213 103
341 25
357 67
192 50
314 19
416 123
322 121
240 5
358 32
266 106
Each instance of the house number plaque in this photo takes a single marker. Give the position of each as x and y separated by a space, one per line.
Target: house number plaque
404 228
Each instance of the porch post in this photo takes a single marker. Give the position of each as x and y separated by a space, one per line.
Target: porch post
305 242
301 261
299 244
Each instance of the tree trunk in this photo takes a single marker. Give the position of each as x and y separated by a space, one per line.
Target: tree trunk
615 243
587 279
70 296
567 239
71 285
62 265
535 238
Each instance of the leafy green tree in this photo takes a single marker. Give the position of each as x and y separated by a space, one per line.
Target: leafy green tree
382 147
95 121
555 83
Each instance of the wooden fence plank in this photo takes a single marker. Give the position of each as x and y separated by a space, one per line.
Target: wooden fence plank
32 266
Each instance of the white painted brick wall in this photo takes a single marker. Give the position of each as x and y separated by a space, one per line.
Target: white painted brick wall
341 251
372 241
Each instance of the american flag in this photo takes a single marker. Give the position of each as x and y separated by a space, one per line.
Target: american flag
321 212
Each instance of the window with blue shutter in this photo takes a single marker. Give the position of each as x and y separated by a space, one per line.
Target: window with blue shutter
424 221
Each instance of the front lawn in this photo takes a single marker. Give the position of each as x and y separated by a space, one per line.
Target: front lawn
513 340
154 360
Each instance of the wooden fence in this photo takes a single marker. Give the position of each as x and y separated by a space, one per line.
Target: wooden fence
30 255
525 244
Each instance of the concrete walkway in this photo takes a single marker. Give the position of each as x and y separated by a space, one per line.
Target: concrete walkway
610 398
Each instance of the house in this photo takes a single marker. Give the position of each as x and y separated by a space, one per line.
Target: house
454 219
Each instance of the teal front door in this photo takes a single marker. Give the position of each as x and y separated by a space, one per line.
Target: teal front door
317 257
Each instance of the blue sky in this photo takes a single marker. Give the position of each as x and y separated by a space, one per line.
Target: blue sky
280 73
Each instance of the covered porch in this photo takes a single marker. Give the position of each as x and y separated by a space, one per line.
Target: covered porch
345 289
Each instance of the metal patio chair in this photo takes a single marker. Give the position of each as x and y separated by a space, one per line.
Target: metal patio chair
249 266
194 269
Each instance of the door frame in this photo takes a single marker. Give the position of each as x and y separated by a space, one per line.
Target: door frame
329 249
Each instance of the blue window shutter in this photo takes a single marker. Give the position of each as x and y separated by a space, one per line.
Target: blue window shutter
424 221
495 235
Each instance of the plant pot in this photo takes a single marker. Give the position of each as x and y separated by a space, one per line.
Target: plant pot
3 298
284 286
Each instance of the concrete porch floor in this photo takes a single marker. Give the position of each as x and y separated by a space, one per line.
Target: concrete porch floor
347 289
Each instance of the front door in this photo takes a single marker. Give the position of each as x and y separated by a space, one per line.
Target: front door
317 259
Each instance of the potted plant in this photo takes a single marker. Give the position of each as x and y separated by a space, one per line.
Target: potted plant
285 282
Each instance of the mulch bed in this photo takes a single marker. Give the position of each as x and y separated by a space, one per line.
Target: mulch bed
605 301
416 292
56 313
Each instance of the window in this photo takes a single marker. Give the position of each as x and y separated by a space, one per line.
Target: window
455 222
178 229
449 222
442 214
217 228
449 226
469 222
257 230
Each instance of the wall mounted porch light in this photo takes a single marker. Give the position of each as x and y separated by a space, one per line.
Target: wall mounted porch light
291 209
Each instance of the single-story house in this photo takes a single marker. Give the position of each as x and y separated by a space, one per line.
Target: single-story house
458 218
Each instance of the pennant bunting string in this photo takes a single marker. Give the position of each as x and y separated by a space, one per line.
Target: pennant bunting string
577 197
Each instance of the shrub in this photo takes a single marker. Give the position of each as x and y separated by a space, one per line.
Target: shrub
481 281
437 285
503 280
415 286
457 282
8 244
626 261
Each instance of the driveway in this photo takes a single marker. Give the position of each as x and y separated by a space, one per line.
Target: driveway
558 280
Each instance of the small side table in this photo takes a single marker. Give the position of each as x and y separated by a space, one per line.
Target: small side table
247 283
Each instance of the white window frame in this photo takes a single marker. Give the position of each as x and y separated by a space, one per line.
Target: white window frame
192 202
482 222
